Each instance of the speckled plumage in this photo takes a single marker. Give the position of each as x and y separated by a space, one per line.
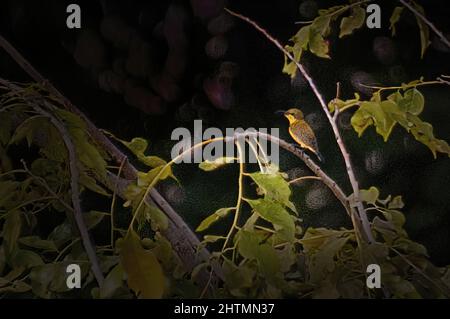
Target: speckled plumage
301 132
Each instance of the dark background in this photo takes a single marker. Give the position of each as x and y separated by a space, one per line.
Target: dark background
400 166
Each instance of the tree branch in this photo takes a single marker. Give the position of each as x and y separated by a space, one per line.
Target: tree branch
183 240
74 185
351 175
426 21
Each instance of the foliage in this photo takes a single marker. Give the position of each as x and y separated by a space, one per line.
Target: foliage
264 252
313 36
33 260
402 107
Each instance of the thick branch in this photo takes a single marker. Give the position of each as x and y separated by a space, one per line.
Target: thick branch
351 175
183 240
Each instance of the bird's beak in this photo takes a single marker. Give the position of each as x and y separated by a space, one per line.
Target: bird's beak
280 112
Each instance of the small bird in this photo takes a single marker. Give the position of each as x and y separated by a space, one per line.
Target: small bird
301 132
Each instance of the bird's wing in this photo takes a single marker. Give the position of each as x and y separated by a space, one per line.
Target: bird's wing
303 134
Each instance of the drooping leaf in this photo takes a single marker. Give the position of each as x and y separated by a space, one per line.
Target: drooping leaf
423 28
353 22
318 45
145 275
395 17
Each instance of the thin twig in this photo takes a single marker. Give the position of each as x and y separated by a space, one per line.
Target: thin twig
426 21
304 178
351 175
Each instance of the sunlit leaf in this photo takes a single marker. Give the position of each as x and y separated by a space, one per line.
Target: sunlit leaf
274 187
412 102
353 22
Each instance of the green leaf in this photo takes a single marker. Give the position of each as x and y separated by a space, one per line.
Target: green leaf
28 128
16 287
61 234
25 258
396 203
113 281
248 243
158 219
301 38
11 232
370 195
412 102
275 213
91 184
145 179
354 21
145 275
138 146
318 45
238 278
38 243
376 113
215 164
211 238
8 189
274 187
41 277
395 17
251 246
321 25
424 30
93 218
208 221
322 252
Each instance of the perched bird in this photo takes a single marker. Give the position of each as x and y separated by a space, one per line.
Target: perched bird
301 132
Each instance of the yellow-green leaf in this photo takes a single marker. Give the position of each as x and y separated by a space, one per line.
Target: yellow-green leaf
215 164
208 221
275 213
145 275
423 28
353 22
274 187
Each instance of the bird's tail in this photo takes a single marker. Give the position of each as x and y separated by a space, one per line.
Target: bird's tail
320 157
